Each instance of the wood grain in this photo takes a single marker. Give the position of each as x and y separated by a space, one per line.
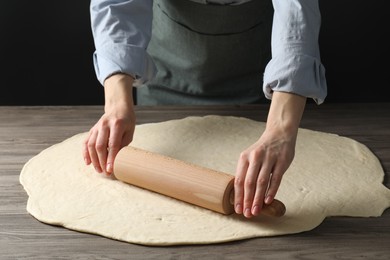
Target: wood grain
25 131
187 182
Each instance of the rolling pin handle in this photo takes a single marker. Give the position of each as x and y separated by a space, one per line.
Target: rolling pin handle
275 209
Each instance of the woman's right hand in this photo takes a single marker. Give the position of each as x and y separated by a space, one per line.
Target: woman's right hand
115 128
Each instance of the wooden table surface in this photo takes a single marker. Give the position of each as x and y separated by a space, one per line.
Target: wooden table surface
25 131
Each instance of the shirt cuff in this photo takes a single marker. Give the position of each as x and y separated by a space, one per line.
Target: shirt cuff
131 60
299 74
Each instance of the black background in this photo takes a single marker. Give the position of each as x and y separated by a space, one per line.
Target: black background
46 52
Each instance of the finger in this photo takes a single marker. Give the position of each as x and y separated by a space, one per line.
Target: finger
114 145
127 137
86 156
275 180
250 186
101 147
92 151
262 183
118 140
239 180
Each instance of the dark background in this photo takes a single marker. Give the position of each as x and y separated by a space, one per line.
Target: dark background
46 52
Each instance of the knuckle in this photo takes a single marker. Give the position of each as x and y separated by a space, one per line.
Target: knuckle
86 141
100 147
91 144
238 181
276 178
112 145
255 155
244 155
250 183
103 123
91 130
261 181
118 122
284 160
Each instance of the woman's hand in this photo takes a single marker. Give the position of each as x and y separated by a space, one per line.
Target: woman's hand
115 128
261 167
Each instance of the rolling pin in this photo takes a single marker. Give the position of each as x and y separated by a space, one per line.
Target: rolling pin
184 181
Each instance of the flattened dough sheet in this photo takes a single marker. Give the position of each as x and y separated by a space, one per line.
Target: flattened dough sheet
330 176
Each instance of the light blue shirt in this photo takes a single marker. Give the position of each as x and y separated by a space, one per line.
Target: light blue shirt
122 30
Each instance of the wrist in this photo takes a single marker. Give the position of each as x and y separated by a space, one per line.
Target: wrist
118 91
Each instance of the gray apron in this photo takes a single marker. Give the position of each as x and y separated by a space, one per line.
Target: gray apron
208 54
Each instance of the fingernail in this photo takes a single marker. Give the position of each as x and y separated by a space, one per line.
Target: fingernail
238 209
86 161
109 168
268 199
255 210
98 169
247 212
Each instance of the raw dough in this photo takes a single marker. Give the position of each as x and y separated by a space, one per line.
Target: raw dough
330 176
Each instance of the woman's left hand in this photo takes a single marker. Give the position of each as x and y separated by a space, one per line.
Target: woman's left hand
261 167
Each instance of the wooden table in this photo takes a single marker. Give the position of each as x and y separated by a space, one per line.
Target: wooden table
25 131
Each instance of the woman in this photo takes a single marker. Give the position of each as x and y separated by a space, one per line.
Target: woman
209 52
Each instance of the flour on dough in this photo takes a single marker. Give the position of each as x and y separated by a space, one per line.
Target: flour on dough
330 176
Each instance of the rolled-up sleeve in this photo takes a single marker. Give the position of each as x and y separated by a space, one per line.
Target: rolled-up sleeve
121 31
296 66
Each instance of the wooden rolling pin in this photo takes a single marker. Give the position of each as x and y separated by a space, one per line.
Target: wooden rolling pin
187 182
